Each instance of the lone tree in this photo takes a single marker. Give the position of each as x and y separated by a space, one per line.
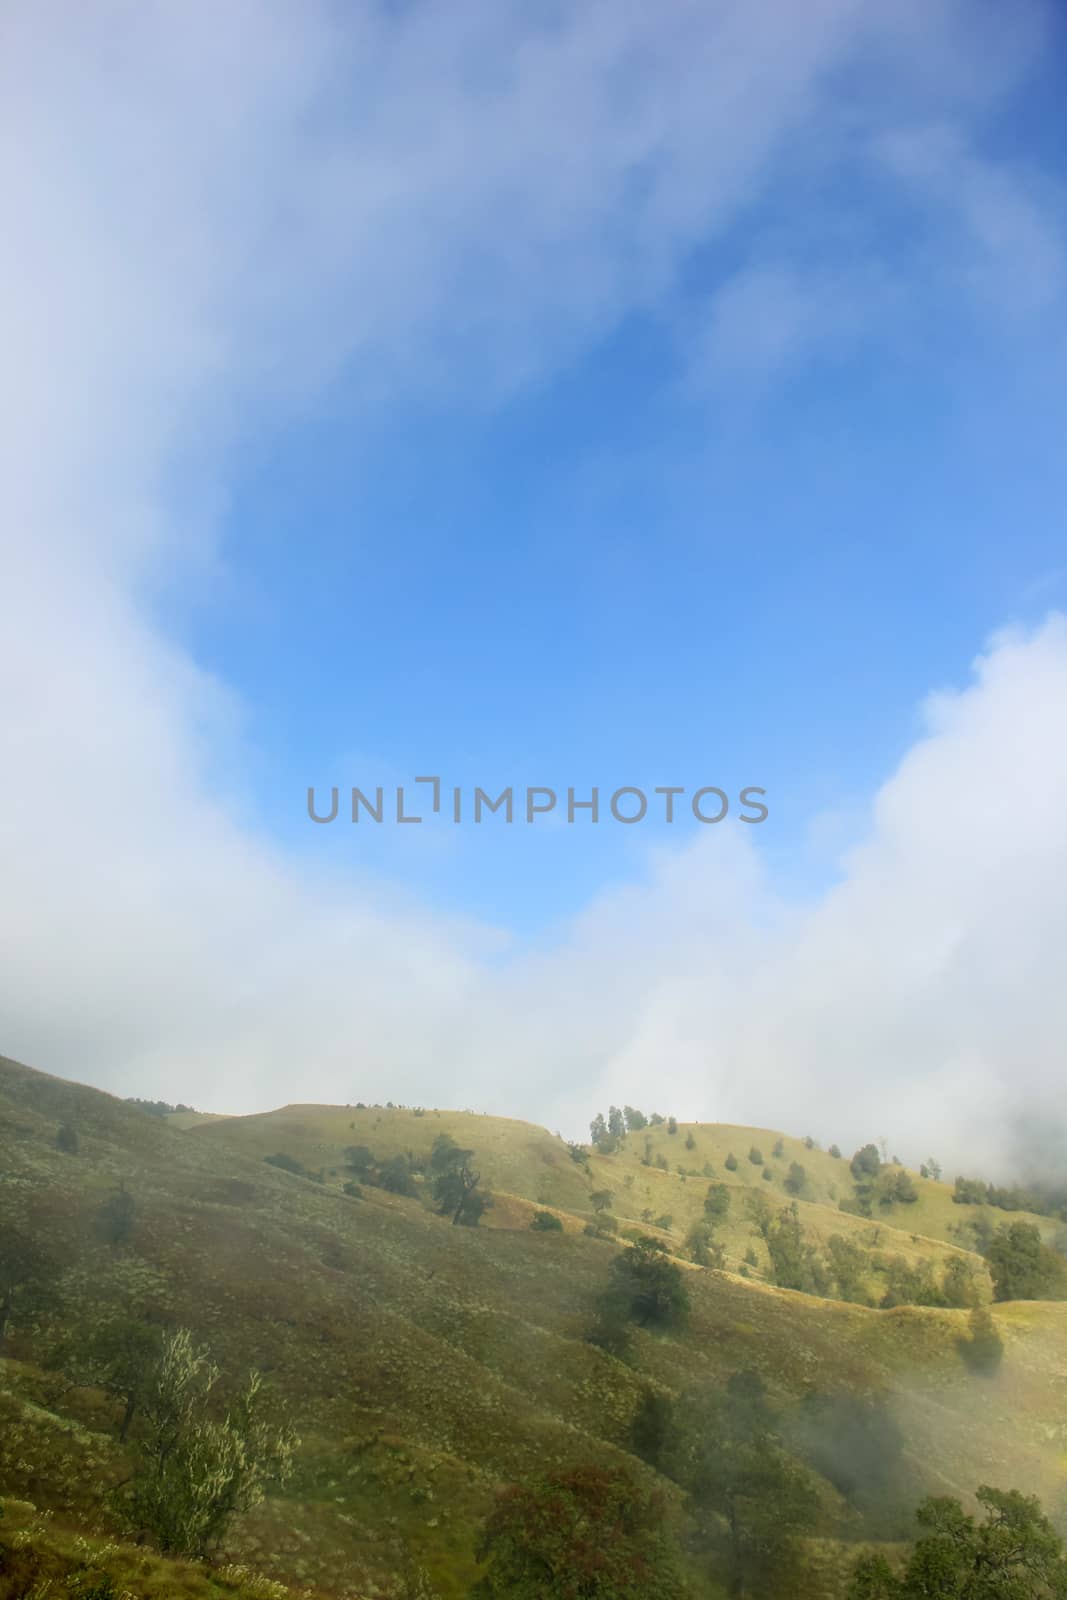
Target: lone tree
197 1471
583 1533
866 1164
644 1288
27 1275
454 1183
1014 1553
717 1203
122 1357
116 1217
750 1497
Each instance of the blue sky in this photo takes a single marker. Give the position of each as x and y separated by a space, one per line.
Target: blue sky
577 396
652 566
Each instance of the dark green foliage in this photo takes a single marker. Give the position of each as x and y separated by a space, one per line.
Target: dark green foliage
353 1190
896 1188
1014 1553
672 1124
579 1156
290 1164
635 1120
866 1163
796 1178
67 1139
794 1262
690 1142
395 1176
116 1218
755 1155
957 1283
983 1349
835 1151
750 1497
616 1123
156 1108
703 1248
850 1264
767 1175
359 1160
27 1275
1022 1267
779 1149
600 1199
655 1120
1040 1201
598 1129
546 1222
731 1162
121 1356
585 1533
454 1183
651 1426
910 1283
645 1289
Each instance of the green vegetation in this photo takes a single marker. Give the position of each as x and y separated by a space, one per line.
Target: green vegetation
1013 1553
588 1533
432 1370
195 1472
1022 1266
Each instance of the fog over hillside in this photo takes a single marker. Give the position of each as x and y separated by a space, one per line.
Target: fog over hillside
175 302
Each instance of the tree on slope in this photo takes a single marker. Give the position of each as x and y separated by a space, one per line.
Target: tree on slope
196 1470
1014 1553
454 1183
582 1533
751 1498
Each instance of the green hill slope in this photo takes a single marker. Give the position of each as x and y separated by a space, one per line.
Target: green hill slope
424 1363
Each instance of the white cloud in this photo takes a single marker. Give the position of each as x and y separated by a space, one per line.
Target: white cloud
215 210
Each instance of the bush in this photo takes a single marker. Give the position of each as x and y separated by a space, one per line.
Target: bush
796 1178
67 1139
983 1349
731 1162
587 1531
755 1155
197 1470
546 1222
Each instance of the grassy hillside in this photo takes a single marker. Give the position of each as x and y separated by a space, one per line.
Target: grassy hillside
424 1364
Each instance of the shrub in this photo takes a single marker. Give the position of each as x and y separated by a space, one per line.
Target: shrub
983 1349
587 1531
731 1162
546 1222
796 1178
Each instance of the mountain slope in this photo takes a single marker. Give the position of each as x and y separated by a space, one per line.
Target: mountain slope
425 1363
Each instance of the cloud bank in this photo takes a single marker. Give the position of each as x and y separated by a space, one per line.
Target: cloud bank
234 207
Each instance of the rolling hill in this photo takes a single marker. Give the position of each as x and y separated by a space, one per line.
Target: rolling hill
425 1364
